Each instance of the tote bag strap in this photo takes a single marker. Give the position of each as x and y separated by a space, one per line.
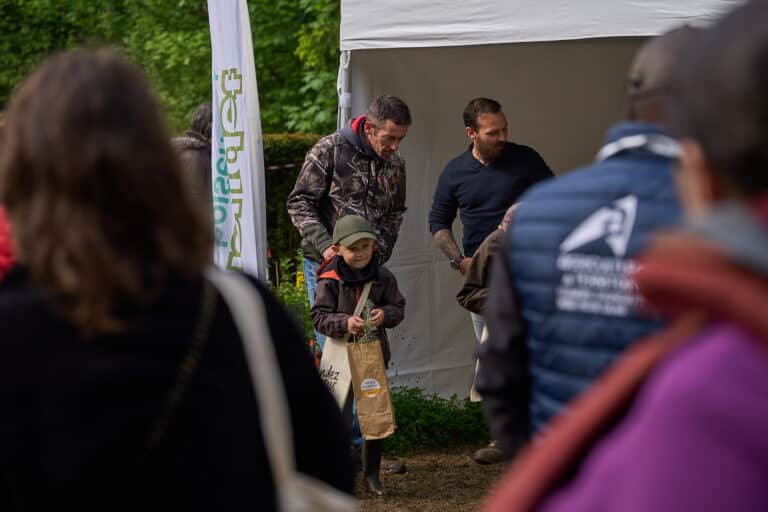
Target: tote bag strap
359 306
247 309
363 298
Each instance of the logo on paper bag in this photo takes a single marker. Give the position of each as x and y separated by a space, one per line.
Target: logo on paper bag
370 388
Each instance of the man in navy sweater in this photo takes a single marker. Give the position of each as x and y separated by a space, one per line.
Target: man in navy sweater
482 182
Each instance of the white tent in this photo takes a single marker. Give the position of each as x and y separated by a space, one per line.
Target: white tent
558 69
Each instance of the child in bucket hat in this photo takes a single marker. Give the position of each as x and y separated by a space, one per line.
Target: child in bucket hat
339 284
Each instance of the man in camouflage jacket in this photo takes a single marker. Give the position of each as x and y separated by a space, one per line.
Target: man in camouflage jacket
355 170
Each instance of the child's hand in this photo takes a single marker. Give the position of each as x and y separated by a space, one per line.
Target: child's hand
377 317
355 325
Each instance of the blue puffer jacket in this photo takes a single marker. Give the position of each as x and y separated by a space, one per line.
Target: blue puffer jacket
572 243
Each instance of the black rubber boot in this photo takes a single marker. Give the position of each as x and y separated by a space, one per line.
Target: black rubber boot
371 462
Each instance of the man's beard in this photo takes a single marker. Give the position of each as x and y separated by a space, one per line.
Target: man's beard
491 150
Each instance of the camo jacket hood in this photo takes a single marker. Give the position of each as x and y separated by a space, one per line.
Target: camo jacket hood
342 175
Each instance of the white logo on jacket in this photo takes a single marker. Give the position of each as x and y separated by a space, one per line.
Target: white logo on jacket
596 284
614 223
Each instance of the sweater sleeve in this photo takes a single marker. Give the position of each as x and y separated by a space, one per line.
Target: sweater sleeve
444 205
540 169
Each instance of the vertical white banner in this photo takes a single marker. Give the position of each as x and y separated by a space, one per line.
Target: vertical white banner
239 208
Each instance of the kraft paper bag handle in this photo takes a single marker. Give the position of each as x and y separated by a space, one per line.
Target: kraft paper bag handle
294 491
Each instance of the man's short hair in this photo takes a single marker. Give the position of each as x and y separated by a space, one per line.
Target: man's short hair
477 107
388 107
202 120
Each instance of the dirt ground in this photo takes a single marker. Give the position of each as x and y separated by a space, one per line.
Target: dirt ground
444 481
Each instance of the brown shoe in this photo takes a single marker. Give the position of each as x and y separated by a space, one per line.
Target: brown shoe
488 455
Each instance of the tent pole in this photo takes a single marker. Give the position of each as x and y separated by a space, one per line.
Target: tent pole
342 90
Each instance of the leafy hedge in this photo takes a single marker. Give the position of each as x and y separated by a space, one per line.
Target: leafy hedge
285 153
428 421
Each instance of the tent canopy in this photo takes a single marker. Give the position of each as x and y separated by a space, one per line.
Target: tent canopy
436 23
558 68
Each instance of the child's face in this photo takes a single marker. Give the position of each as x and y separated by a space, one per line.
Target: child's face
357 255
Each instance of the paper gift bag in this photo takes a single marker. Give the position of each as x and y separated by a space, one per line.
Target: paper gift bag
369 382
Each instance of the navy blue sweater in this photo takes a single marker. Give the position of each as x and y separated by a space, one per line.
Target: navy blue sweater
482 193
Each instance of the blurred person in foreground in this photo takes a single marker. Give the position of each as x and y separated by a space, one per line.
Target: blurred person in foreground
6 245
7 257
679 423
99 315
561 305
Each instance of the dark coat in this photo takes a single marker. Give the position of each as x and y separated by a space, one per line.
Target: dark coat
194 152
474 291
335 302
77 414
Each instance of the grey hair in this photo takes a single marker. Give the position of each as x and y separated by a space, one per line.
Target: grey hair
388 107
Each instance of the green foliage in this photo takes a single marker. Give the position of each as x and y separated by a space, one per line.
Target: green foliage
428 421
279 150
173 45
318 51
370 331
288 148
295 51
288 285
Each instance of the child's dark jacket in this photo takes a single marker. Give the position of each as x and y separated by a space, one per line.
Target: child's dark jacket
336 298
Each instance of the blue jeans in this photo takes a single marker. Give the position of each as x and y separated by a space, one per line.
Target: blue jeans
310 278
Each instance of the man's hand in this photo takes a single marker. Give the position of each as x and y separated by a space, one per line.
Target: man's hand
464 266
355 325
377 317
329 253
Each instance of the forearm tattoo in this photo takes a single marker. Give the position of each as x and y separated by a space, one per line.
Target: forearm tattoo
445 241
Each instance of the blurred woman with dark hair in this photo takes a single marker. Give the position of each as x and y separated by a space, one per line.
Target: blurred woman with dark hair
99 316
6 246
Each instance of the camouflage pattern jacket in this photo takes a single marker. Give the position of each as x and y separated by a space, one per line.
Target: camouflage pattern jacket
342 175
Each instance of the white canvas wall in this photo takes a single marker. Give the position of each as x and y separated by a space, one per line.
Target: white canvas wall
559 98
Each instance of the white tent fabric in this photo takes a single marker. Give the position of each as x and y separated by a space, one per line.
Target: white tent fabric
559 98
415 23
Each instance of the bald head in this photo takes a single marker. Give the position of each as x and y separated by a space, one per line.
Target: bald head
651 72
